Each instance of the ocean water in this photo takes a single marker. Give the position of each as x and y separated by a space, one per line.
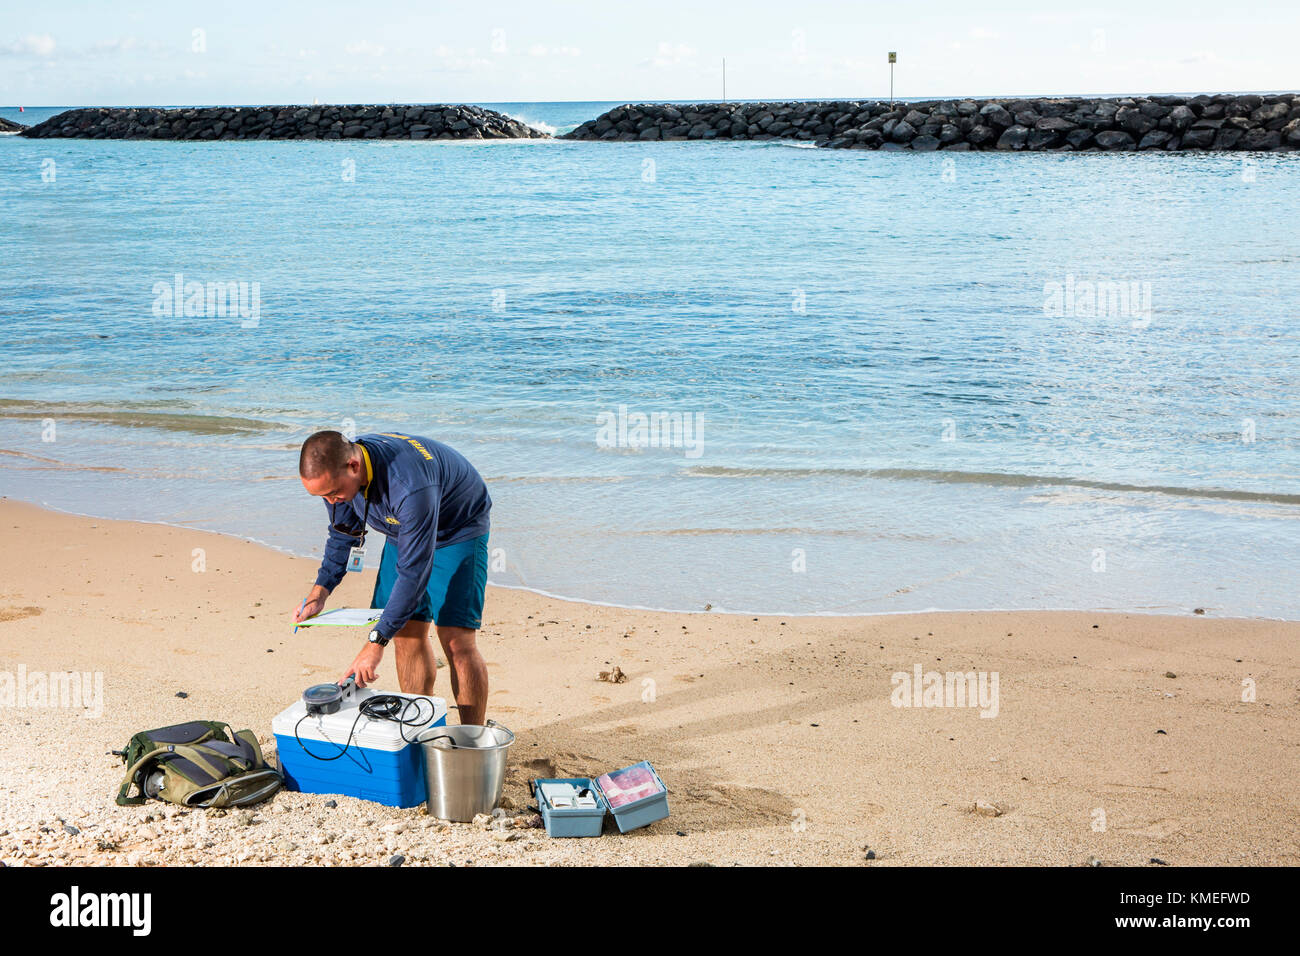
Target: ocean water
880 380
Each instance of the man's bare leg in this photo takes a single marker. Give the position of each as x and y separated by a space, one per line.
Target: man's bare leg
469 677
416 667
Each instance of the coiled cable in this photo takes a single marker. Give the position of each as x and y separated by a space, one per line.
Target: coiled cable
392 707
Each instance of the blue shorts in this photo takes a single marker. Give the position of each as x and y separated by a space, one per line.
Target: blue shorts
457 582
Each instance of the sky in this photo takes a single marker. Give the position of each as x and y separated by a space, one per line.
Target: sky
64 53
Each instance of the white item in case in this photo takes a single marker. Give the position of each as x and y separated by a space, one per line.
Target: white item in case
566 795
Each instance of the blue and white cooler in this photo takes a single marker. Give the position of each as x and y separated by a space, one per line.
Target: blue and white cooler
356 755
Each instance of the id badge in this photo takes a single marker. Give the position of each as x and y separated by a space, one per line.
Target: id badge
356 559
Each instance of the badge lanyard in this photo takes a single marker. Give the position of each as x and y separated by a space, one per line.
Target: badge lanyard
357 556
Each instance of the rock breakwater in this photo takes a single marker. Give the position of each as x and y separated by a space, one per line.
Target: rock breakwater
1218 122
284 122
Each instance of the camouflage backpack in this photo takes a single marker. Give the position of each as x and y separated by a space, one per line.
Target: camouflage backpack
197 764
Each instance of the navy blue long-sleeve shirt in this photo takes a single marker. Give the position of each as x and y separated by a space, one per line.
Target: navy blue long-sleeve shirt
423 493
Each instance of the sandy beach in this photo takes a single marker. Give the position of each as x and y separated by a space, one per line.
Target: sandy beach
1117 737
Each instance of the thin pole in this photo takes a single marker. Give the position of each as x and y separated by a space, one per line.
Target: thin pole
724 79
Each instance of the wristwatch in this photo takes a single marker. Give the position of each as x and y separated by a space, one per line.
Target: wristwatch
375 638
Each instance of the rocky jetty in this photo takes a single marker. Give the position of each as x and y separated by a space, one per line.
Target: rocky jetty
1220 122
284 122
7 126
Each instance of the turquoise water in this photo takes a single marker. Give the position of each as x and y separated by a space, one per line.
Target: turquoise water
887 412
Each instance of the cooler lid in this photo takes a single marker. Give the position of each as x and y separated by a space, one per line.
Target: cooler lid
370 733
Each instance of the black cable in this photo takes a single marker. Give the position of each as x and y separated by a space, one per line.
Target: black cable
384 707
391 707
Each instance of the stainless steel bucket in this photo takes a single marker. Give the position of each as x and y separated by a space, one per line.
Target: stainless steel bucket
464 769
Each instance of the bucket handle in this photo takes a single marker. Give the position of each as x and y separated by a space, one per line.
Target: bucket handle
456 746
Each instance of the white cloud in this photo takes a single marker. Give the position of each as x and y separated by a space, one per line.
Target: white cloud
35 44
541 49
120 45
449 60
669 55
983 33
364 48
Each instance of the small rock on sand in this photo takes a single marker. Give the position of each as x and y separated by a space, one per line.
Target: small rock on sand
986 809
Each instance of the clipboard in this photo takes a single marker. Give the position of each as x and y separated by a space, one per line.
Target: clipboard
343 617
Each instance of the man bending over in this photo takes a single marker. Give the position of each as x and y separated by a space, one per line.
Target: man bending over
432 507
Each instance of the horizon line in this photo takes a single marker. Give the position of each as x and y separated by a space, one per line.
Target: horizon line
730 99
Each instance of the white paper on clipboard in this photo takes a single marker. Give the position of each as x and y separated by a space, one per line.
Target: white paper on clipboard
344 617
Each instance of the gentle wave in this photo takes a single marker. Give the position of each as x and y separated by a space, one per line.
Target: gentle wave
56 463
553 479
800 532
194 423
992 478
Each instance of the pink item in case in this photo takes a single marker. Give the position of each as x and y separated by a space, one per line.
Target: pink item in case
629 785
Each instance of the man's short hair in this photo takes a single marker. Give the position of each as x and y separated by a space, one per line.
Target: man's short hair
324 453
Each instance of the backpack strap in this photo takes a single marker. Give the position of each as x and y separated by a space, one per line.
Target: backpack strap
204 758
122 799
249 738
195 755
241 790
